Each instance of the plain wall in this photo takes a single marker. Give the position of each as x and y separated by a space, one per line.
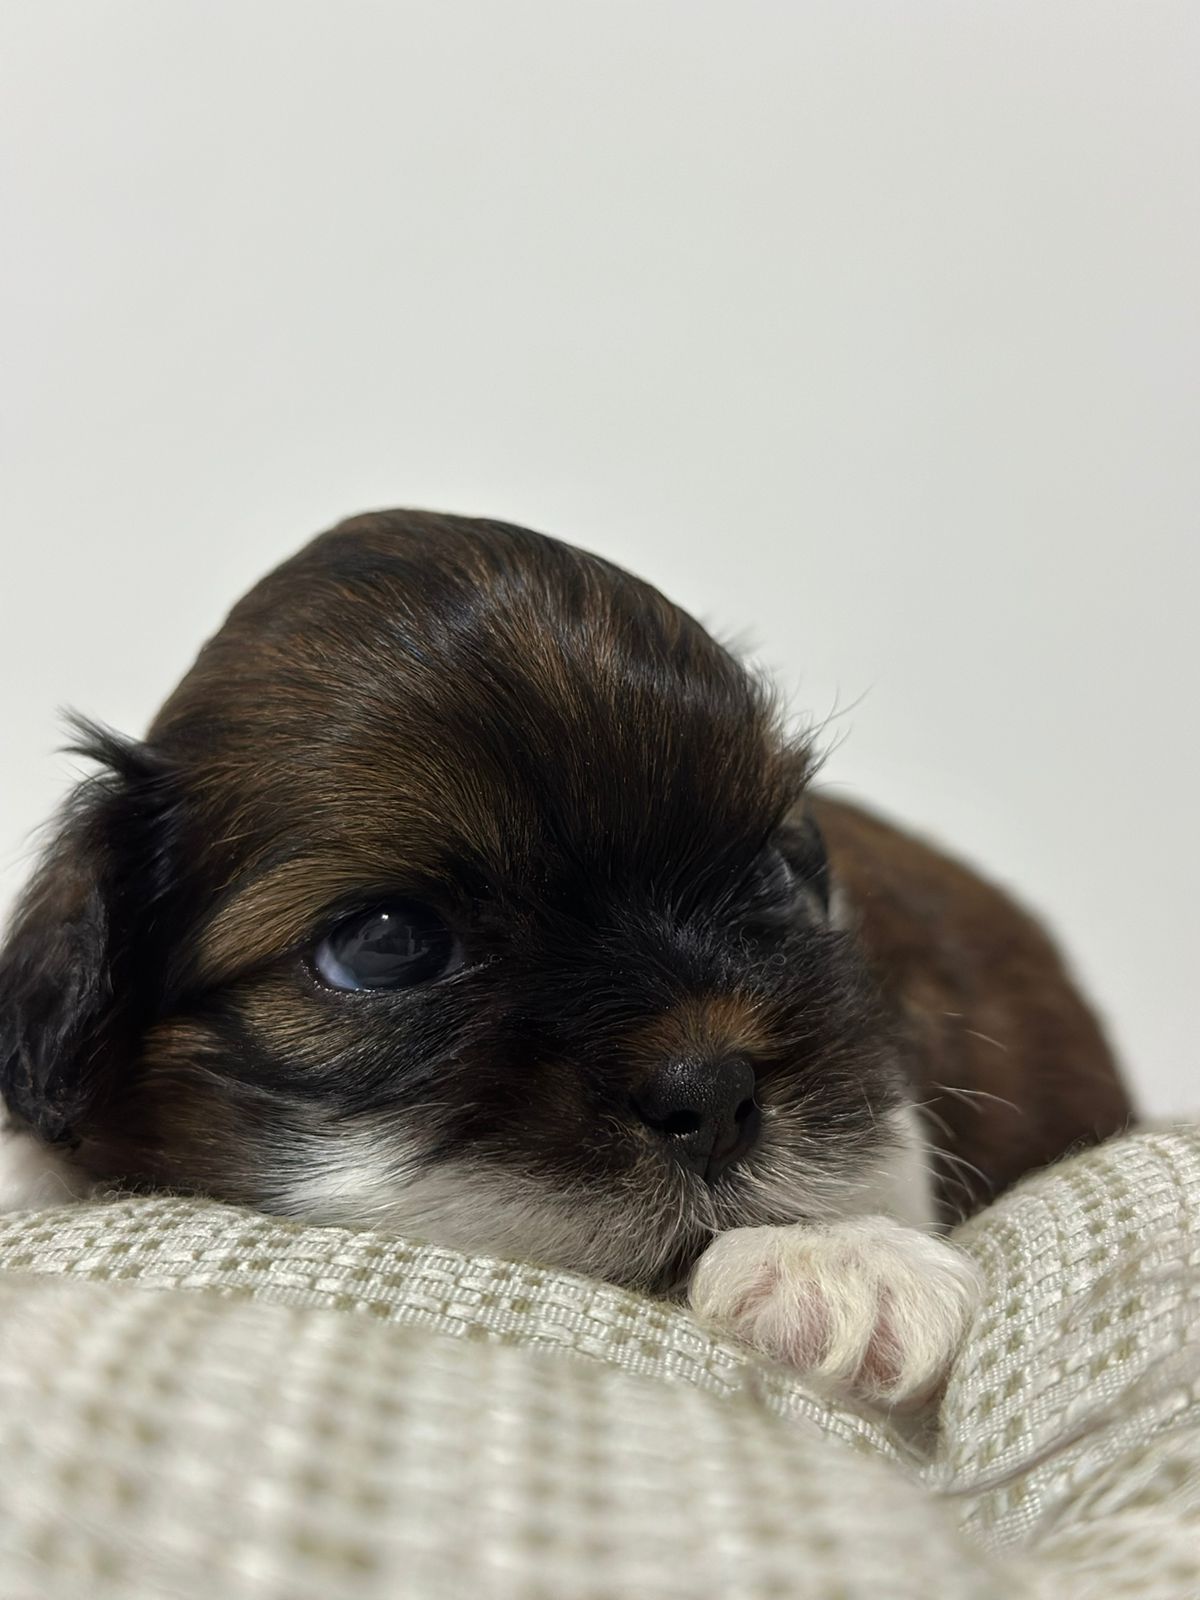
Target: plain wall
868 331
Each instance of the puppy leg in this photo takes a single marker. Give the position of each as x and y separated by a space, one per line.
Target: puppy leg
867 1305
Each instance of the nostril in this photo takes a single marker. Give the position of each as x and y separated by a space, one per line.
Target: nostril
677 1124
705 1112
680 1123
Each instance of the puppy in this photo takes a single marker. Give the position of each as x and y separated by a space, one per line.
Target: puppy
467 887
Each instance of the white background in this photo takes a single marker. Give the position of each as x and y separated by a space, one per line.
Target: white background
867 331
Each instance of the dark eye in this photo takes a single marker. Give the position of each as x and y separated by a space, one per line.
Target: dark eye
776 879
809 859
793 871
390 947
773 891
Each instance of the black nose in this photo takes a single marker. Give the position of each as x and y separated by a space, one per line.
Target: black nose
704 1110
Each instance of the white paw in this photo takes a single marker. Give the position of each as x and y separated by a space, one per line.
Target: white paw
867 1306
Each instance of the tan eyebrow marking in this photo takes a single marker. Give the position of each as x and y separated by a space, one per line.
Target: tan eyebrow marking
275 911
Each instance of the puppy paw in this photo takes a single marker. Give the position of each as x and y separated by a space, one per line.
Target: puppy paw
868 1306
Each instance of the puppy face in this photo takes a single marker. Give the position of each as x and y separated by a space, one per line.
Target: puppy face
464 886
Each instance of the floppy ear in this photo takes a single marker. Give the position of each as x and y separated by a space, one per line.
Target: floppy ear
79 977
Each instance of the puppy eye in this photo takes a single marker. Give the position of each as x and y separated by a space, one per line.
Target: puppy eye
793 871
390 947
810 859
776 880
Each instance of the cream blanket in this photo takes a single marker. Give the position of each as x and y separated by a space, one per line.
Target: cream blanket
201 1402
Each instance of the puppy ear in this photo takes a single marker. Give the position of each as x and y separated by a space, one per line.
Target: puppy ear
78 976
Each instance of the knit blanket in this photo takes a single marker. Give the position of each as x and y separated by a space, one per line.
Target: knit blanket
199 1401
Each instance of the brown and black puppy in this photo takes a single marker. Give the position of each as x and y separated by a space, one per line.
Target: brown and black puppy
466 886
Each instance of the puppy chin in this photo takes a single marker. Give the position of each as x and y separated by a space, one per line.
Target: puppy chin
645 1230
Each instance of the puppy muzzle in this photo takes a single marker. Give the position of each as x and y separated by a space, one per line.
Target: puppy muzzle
703 1111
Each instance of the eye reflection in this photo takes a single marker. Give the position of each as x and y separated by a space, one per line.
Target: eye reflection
393 946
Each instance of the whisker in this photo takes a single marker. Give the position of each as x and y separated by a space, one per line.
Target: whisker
969 1201
964 1166
987 1039
870 1108
924 1106
967 1096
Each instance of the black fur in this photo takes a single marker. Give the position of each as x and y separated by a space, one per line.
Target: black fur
81 973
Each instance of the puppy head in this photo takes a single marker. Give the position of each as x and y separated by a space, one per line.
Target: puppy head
465 886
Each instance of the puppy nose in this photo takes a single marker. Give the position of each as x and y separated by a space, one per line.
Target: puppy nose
704 1111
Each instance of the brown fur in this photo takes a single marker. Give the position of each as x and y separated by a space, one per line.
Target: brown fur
598 800
1011 1064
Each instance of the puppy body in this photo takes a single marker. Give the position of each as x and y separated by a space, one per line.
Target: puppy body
654 990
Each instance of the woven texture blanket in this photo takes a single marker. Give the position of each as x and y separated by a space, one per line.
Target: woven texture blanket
197 1401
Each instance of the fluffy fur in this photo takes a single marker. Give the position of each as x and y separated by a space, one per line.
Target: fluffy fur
867 1304
34 1176
602 807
